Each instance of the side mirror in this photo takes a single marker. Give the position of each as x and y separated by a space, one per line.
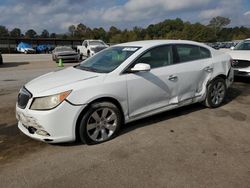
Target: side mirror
232 48
141 67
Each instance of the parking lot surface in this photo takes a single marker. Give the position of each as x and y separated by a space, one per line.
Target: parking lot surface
189 147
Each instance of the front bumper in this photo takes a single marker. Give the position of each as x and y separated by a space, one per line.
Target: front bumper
53 126
242 72
69 58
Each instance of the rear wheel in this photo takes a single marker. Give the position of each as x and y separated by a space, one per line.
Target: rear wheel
216 92
101 123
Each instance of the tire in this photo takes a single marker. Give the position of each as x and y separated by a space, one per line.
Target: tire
80 57
100 123
216 92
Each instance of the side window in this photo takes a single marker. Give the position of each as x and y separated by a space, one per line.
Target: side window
205 53
191 52
157 57
188 52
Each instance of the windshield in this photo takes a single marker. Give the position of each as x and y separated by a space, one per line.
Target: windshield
96 43
108 60
64 48
244 45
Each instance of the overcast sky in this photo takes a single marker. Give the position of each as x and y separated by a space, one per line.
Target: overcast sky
57 15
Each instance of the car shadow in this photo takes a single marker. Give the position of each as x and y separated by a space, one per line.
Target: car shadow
161 117
242 79
13 64
232 93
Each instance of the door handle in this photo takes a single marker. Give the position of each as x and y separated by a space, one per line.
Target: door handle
209 69
173 78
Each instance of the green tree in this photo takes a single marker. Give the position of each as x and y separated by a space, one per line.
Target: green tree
44 34
81 30
3 31
72 30
31 34
99 33
16 32
217 23
53 35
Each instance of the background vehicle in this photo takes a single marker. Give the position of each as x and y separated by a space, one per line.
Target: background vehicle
25 48
1 59
65 53
121 84
91 47
241 58
43 48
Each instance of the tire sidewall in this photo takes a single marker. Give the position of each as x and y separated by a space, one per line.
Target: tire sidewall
84 137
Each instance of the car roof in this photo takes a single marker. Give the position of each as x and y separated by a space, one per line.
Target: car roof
151 43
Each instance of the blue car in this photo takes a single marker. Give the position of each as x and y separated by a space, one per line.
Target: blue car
43 48
25 48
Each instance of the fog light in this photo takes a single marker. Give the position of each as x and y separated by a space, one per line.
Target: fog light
42 133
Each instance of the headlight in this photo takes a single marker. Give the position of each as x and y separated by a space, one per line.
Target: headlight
49 102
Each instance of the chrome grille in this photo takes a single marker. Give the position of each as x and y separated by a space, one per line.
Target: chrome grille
240 63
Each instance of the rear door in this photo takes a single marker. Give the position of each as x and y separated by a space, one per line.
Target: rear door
195 68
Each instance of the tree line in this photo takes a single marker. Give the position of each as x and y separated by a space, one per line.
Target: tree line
216 30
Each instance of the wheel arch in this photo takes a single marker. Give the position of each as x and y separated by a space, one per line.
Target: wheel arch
216 77
102 99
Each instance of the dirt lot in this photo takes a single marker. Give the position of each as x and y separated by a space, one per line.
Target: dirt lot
188 147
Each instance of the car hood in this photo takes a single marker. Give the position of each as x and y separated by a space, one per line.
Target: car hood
98 46
59 79
240 54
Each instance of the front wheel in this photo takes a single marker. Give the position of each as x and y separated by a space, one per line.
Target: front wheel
216 92
101 123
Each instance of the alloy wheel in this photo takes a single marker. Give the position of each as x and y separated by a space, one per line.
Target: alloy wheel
101 124
218 93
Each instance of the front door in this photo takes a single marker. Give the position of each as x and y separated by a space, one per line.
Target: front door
148 91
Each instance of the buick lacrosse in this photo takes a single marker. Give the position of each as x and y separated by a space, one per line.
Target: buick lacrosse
120 84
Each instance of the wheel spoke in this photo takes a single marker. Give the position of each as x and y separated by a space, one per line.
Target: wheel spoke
104 134
95 134
219 85
104 112
96 116
212 93
111 127
91 126
111 117
214 100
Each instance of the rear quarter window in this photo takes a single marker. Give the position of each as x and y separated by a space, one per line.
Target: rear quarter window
205 53
186 52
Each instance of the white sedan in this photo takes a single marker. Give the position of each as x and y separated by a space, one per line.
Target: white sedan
241 58
121 84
